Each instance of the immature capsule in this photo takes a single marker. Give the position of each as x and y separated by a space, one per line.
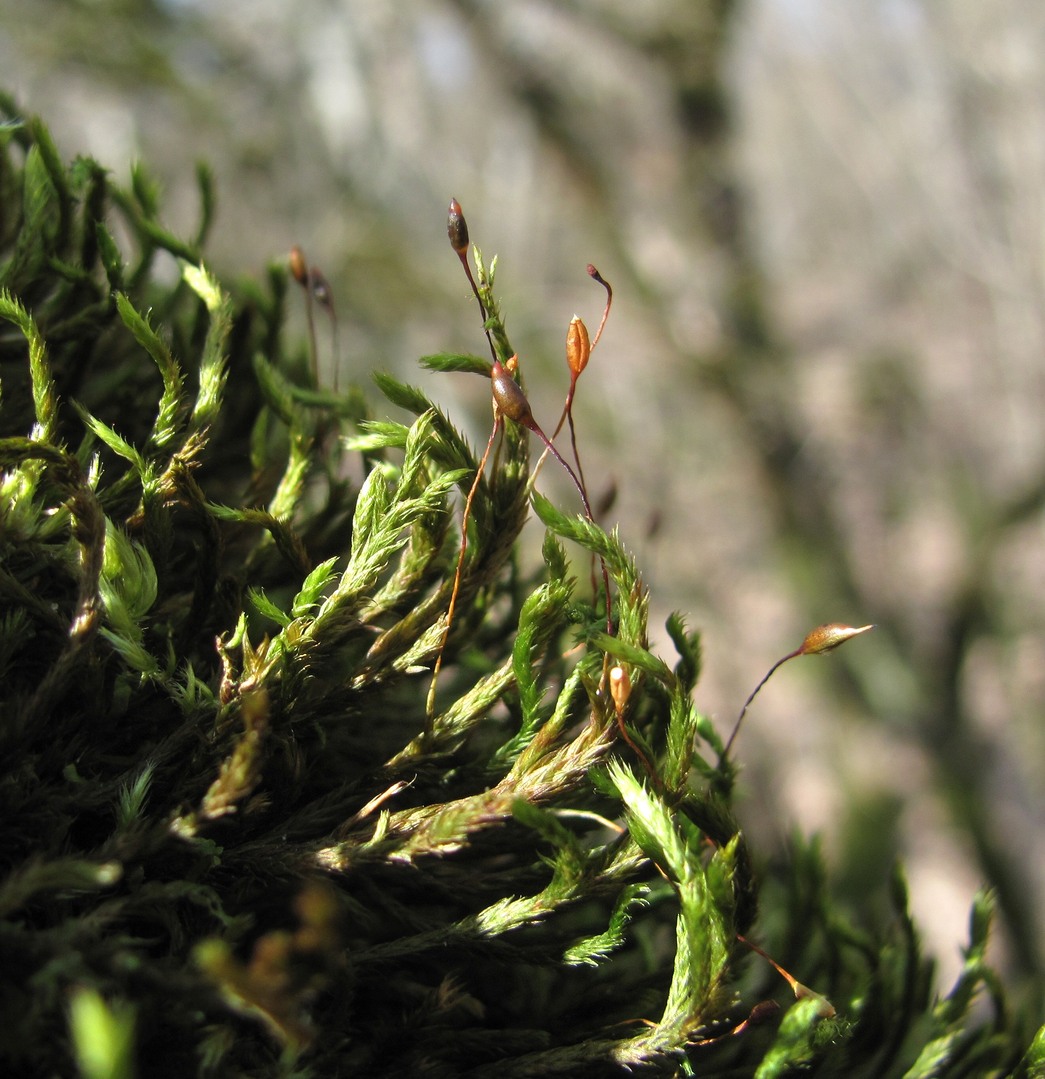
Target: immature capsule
457 228
620 688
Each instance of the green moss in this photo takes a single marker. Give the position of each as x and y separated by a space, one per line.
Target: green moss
237 840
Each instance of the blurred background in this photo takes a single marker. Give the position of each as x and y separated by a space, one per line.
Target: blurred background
820 394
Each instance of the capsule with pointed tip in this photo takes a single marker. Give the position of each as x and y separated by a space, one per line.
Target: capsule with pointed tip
457 228
828 637
620 688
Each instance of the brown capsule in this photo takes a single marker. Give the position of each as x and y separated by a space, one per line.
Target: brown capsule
828 637
298 265
457 228
607 500
578 346
509 397
320 288
654 523
596 276
763 1011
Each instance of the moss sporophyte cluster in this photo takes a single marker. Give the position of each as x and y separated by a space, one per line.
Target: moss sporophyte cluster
268 809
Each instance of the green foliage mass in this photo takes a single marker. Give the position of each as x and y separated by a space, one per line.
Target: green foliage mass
237 839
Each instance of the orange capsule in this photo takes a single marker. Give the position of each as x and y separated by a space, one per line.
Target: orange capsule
578 346
298 265
828 637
